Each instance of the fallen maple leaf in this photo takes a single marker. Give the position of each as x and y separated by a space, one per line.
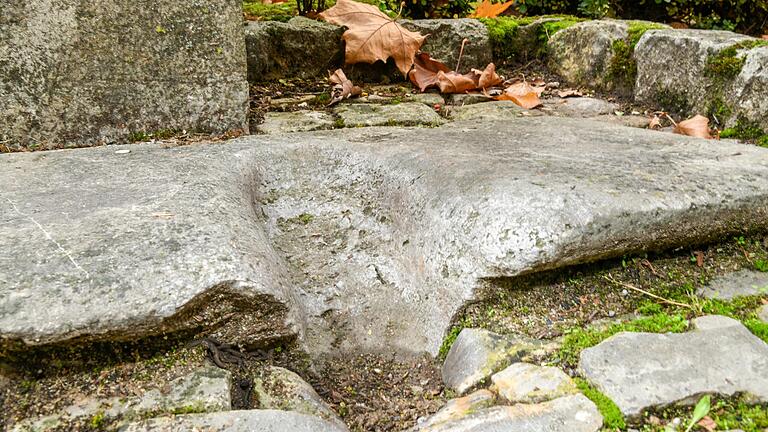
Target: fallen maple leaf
487 9
371 35
655 123
487 77
698 126
424 72
343 87
452 82
521 94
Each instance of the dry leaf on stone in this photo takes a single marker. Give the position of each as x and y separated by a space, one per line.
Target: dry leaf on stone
487 9
698 126
764 37
424 72
655 123
487 78
452 82
521 94
373 36
569 93
343 87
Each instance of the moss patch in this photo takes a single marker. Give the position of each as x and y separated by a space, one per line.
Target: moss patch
511 44
748 131
612 417
623 68
579 339
727 64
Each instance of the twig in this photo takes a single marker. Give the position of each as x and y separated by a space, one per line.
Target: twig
461 53
649 294
670 119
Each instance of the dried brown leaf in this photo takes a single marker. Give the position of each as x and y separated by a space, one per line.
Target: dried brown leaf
569 93
452 82
521 94
698 126
488 77
371 35
655 123
343 87
708 424
487 9
425 69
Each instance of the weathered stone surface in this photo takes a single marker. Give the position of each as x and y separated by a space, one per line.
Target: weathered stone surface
430 99
284 390
567 414
639 371
477 354
583 107
402 114
204 390
236 421
376 237
762 313
582 53
462 99
455 409
527 383
82 72
155 240
488 111
740 283
295 121
445 37
688 86
301 47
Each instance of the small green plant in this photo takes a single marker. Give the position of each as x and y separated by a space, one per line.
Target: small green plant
305 218
612 416
450 338
761 265
97 421
699 412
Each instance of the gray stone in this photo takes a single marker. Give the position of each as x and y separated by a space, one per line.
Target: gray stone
430 99
402 114
477 354
282 389
204 390
762 313
740 283
567 414
236 421
687 86
582 53
456 409
639 371
583 107
489 111
295 121
302 47
83 72
364 238
445 37
527 383
461 99
635 121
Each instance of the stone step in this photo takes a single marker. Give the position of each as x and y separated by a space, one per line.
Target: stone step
351 238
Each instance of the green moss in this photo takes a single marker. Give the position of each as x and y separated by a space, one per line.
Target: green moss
97 421
746 130
757 327
305 218
727 64
762 141
612 417
638 28
450 338
579 339
509 43
623 68
719 111
143 136
256 10
739 415
672 100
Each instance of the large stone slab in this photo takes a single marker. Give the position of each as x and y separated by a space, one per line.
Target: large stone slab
82 72
639 371
693 81
567 414
372 237
528 383
236 421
